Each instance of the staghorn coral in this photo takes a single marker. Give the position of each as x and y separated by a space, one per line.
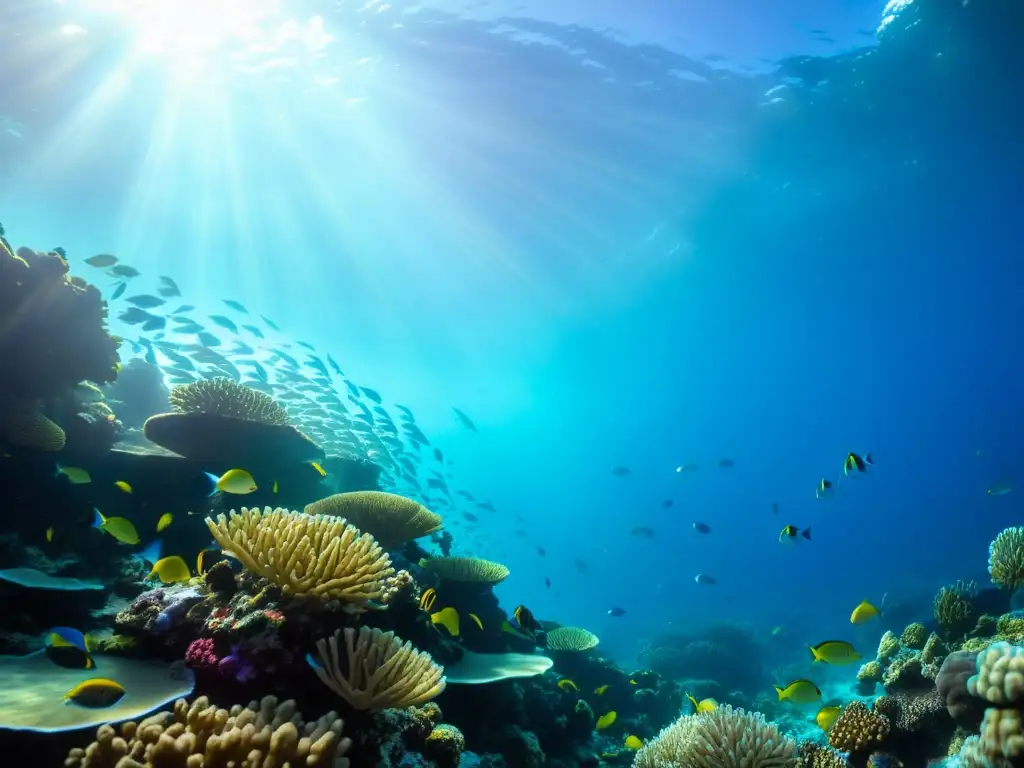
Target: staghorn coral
391 519
263 735
1006 558
724 738
914 636
225 397
888 647
472 570
572 639
382 671
307 554
858 728
1000 675
952 608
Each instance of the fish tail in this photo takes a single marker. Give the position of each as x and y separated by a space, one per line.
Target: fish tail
97 518
152 551
806 533
780 692
814 653
213 484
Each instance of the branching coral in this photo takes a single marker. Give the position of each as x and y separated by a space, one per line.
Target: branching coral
1000 675
952 608
1006 558
391 519
306 554
262 735
723 738
381 671
858 728
572 639
472 570
225 397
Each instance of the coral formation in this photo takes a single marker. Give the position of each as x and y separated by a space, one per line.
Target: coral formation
858 729
1000 675
263 735
381 671
305 554
953 610
571 639
1006 558
471 570
914 636
391 519
888 647
445 745
225 397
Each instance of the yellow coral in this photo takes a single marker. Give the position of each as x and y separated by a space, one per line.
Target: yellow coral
306 554
1000 676
914 636
382 671
225 397
574 639
391 519
888 647
1006 558
262 735
467 569
858 728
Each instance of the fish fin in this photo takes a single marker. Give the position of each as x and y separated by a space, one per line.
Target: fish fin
814 653
152 551
213 482
97 518
806 533
313 662
780 692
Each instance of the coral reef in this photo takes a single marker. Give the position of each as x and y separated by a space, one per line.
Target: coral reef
571 639
391 519
1006 558
953 609
470 570
858 729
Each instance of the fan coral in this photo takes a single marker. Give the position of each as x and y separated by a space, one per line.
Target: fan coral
952 608
914 636
723 738
573 639
1000 674
225 397
382 671
391 519
1006 558
262 735
306 554
472 570
858 728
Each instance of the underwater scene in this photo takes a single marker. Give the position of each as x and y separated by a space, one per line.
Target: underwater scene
511 384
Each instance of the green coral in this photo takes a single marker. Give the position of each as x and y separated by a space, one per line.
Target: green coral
1010 628
888 647
445 745
952 608
1006 558
914 636
871 671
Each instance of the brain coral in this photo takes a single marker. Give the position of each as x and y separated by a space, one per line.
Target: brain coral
1006 558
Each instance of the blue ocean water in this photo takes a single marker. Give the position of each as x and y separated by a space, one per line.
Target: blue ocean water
614 234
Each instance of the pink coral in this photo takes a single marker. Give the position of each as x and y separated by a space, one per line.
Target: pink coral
201 653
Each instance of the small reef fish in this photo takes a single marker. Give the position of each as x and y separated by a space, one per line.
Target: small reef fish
119 291
799 692
122 485
165 520
837 652
75 475
101 260
700 527
827 717
702 706
151 553
615 611
235 481
567 685
69 648
170 570
643 531
207 558
49 533
705 580
447 618
146 301
273 488
95 693
525 619
466 421
1001 489
606 721
791 532
476 620
319 469
120 528
726 463
855 463
600 690
123 270
824 489
864 612
633 742
427 599
685 469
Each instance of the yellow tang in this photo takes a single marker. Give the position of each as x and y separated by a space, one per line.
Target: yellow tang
567 685
633 742
864 612
827 717
118 527
236 481
76 475
702 706
836 652
95 693
447 618
321 470
49 533
165 519
606 721
170 570
799 692
476 620
123 486
599 691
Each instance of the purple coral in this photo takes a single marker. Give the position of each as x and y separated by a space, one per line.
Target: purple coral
233 665
201 653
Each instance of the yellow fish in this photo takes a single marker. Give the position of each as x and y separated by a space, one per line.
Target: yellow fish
599 691
206 559
273 488
799 692
476 620
76 475
702 706
165 519
606 721
95 693
427 598
170 570
567 685
321 470
827 717
864 612
447 618
49 533
836 652
236 481
118 527
633 742
123 486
